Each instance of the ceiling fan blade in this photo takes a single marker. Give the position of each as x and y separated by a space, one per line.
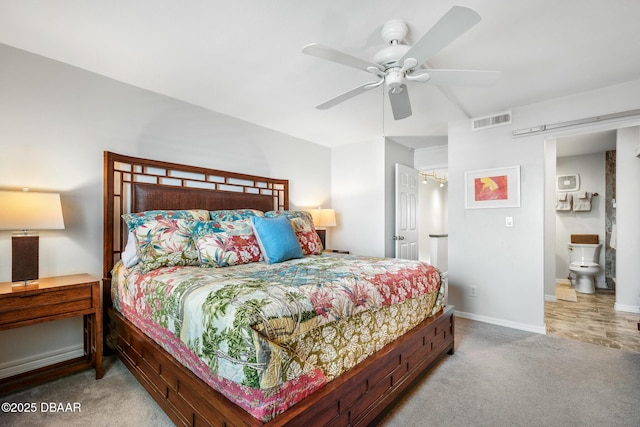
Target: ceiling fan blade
330 54
348 95
452 25
455 77
400 104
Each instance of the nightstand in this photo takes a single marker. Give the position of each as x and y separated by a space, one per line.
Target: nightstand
54 298
336 251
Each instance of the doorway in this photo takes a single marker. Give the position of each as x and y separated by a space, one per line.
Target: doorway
594 318
434 213
589 161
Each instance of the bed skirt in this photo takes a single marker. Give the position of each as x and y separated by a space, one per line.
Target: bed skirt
358 397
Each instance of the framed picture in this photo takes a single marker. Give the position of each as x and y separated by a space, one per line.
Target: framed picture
568 182
492 188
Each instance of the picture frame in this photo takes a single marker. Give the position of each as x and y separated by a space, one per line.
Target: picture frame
568 182
492 188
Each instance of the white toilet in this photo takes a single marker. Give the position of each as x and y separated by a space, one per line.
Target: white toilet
584 264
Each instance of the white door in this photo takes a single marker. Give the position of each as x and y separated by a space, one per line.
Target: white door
406 236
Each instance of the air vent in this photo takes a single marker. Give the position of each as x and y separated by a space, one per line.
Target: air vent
491 121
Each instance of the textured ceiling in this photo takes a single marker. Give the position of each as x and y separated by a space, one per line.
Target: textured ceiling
244 58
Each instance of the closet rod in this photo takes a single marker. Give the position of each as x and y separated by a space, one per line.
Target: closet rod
595 119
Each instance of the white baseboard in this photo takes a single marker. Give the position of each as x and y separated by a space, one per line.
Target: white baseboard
627 308
550 298
501 322
15 367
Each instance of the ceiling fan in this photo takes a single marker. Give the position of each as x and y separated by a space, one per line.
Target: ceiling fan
398 63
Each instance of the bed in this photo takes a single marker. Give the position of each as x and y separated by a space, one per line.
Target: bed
269 371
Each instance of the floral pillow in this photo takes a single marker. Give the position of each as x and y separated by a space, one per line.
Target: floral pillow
165 243
235 214
225 243
134 220
302 223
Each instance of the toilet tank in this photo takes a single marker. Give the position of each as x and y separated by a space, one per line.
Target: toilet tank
582 252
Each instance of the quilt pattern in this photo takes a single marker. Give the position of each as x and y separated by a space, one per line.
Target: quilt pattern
263 327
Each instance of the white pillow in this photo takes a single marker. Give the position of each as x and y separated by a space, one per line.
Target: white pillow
129 255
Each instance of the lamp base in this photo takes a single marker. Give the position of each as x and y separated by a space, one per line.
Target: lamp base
27 285
24 258
323 237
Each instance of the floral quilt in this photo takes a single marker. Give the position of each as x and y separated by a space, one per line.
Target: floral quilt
273 333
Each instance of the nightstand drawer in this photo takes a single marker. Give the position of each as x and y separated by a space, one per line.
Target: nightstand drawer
35 305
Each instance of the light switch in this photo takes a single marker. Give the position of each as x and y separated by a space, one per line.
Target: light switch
508 221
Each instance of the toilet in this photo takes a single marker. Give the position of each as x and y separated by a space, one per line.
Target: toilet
584 265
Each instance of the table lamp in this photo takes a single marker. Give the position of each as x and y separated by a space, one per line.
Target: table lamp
28 211
323 218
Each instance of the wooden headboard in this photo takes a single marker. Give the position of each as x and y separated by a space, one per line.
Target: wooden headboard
133 184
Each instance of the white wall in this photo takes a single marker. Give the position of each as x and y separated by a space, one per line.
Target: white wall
55 123
358 197
591 169
431 158
550 158
505 265
393 153
363 195
508 265
628 207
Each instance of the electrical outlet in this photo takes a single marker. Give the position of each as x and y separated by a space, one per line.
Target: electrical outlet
473 291
508 221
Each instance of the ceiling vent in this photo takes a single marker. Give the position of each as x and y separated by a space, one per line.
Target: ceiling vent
491 121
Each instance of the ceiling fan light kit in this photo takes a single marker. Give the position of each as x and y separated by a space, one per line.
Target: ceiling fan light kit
397 63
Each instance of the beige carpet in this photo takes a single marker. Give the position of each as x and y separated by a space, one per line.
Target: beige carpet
565 292
496 377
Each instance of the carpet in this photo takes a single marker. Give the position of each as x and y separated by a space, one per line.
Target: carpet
566 293
500 377
496 377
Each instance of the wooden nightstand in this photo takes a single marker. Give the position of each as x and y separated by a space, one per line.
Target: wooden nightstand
54 298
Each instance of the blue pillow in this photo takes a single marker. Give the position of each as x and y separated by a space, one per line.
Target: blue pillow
276 238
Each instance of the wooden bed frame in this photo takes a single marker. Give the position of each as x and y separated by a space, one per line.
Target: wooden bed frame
358 397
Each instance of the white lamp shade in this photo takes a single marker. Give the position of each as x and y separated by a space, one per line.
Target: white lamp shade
25 210
324 217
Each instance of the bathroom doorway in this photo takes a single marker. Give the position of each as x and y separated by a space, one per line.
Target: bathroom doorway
585 189
578 154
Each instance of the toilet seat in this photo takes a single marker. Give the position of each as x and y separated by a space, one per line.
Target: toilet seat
584 268
584 264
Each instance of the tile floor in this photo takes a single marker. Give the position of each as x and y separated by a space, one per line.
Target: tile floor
592 319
